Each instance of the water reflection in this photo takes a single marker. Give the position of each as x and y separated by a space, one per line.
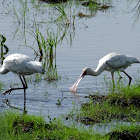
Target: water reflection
51 68
7 102
136 10
103 33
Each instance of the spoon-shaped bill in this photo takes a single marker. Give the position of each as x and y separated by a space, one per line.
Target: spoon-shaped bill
73 88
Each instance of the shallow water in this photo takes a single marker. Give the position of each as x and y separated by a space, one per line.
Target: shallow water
110 31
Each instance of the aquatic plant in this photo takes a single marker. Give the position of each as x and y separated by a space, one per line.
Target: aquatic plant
95 5
20 15
46 43
51 69
49 63
59 102
136 10
66 16
63 18
52 41
3 46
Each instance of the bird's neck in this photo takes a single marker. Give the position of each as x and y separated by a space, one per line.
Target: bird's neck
95 72
1 71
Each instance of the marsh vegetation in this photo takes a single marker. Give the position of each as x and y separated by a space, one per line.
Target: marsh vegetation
123 105
67 36
16 126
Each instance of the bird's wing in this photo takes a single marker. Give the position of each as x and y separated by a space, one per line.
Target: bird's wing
17 67
34 67
117 62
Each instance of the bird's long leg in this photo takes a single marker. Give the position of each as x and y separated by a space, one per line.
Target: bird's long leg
23 81
25 87
120 77
112 74
130 78
24 100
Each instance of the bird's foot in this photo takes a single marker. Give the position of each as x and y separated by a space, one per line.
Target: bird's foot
7 92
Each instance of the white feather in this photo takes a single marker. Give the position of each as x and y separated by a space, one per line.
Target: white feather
21 64
111 62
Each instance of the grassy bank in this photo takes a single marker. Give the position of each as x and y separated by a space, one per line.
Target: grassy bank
125 132
122 105
16 126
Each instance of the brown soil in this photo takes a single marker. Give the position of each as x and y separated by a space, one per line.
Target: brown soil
125 135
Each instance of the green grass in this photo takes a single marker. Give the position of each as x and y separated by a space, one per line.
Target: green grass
126 96
129 132
131 128
130 92
16 126
105 112
122 105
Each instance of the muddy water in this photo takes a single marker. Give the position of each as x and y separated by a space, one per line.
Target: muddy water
113 30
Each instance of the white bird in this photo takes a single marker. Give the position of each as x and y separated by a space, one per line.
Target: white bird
21 65
111 62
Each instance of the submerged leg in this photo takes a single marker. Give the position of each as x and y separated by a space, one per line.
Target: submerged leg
130 79
23 81
24 100
120 77
112 74
25 87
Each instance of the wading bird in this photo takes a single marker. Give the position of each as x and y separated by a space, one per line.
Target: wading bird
21 65
111 62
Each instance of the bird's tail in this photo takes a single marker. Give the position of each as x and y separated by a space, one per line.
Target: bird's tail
137 62
43 70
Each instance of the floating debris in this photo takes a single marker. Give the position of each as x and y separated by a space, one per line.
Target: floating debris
81 15
87 3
